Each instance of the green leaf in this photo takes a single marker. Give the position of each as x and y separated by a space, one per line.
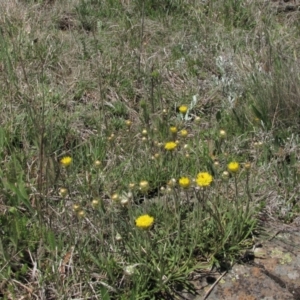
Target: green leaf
104 293
257 113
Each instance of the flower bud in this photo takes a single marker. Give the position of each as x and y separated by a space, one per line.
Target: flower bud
81 214
95 203
144 186
128 123
197 120
115 197
247 166
225 175
172 183
63 192
76 207
97 164
118 237
222 134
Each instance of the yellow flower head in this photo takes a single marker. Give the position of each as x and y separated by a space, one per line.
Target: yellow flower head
170 146
144 222
233 167
183 133
183 109
185 182
204 179
66 161
173 129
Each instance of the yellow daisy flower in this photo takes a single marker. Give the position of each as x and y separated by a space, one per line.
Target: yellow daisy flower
183 109
184 182
170 146
233 167
144 222
66 161
204 179
183 133
173 129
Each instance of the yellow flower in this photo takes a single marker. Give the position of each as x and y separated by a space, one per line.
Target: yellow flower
183 109
144 222
66 161
183 133
170 146
233 167
204 179
185 182
173 129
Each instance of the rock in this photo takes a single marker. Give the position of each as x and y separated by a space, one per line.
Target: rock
273 274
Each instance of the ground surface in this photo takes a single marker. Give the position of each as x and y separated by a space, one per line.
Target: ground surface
271 271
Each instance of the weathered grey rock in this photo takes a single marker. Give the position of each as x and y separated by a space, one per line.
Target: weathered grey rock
273 274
